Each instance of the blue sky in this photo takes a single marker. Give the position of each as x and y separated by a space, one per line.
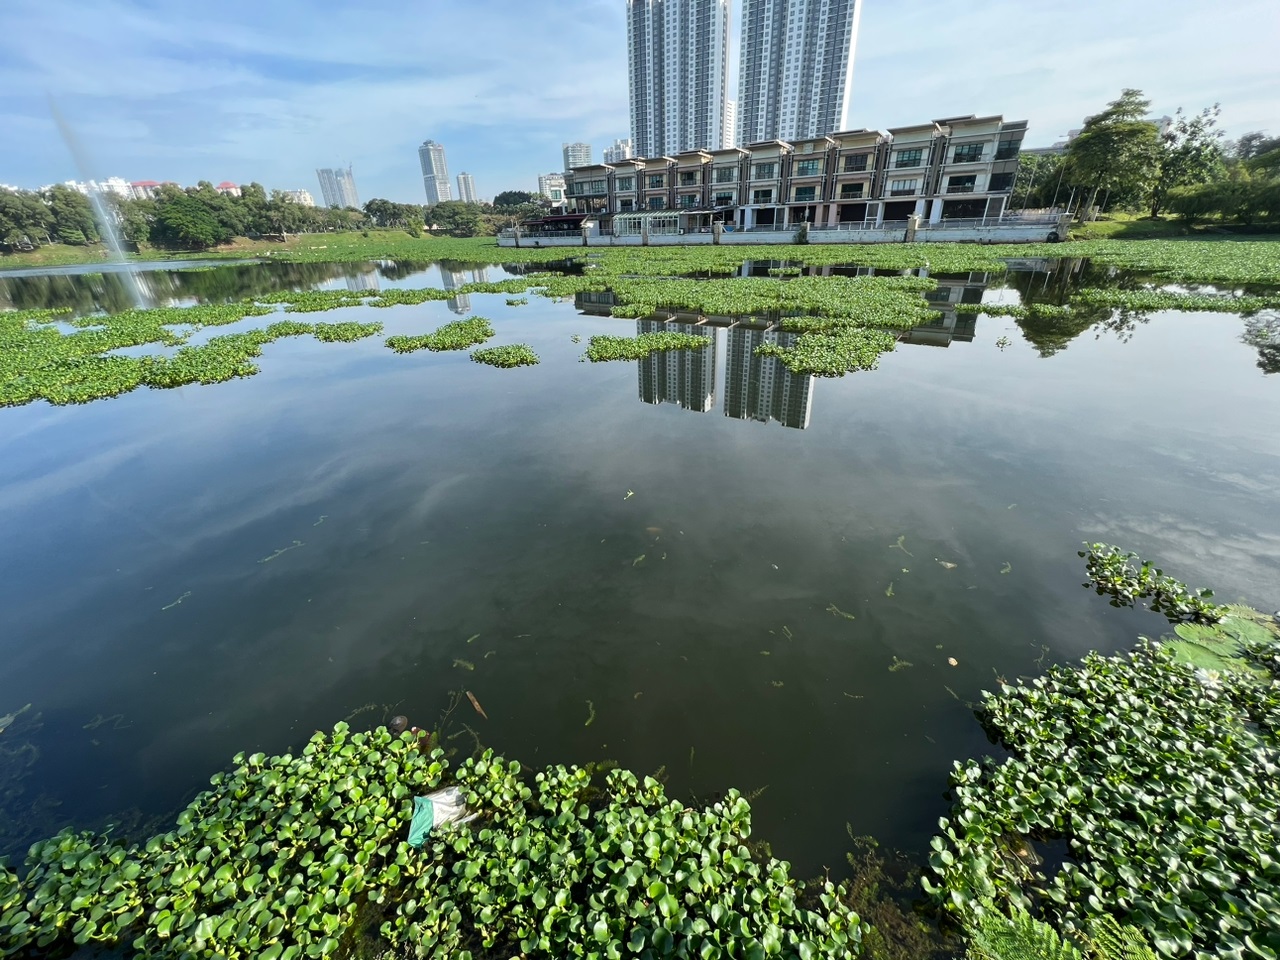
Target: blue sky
270 90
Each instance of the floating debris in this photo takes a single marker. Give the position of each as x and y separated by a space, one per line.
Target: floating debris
901 545
323 518
766 653
837 612
905 570
638 560
664 556
899 665
464 664
889 589
116 720
474 636
653 531
7 720
170 606
591 714
774 565
946 565
953 661
630 494
853 696
476 703
575 338
1007 567
776 683
1011 506
294 546
787 632
637 695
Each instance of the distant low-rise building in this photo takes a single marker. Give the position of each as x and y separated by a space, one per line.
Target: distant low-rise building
576 155
621 150
301 197
144 189
228 188
552 186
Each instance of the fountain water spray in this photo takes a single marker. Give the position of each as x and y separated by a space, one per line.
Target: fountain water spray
106 220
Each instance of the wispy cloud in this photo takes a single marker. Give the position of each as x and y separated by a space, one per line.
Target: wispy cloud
269 91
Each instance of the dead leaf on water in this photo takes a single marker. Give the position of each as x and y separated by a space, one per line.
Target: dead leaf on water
946 565
953 661
476 703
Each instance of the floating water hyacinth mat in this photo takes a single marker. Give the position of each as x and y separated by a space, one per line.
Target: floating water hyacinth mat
279 859
514 355
456 335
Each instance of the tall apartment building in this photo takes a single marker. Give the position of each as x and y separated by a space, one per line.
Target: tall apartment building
795 67
338 186
762 388
435 172
466 188
551 186
576 155
621 150
731 123
677 58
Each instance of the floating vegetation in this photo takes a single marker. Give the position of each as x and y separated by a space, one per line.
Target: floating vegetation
630 494
1018 311
638 560
1153 300
170 606
946 565
7 720
837 612
604 347
591 714
575 339
293 546
786 632
345 332
1128 579
455 335
517 301
1004 342
116 720
776 683
316 301
899 665
464 665
473 638
901 545
1007 568
889 589
323 518
513 355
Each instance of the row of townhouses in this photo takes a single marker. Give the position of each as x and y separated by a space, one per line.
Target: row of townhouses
954 168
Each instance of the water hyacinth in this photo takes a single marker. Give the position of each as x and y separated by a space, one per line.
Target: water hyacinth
456 335
513 355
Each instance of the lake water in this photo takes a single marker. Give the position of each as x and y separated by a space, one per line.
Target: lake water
638 561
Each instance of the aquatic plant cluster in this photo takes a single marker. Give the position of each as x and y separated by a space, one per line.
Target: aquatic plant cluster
1128 579
282 857
604 347
455 335
511 355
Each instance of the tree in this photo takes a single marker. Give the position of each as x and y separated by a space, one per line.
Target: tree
183 221
72 215
1248 146
513 198
456 218
1191 153
1116 151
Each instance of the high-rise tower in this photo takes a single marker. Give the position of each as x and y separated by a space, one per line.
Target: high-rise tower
435 173
795 67
338 187
677 56
466 188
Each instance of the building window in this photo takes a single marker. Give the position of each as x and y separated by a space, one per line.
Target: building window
763 171
762 196
851 191
964 184
1008 149
903 188
856 163
626 205
557 195
806 194
688 178
656 203
909 158
656 181
726 174
598 186
1000 181
724 199
808 168
689 200
968 153
626 183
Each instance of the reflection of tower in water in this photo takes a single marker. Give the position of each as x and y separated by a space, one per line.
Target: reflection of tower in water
363 279
452 280
762 388
683 377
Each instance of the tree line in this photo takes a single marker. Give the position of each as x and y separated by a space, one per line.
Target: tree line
200 217
1121 160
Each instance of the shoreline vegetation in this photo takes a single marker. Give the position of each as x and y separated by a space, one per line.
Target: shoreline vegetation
1154 773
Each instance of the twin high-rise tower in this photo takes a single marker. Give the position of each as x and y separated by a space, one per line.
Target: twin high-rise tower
435 172
795 72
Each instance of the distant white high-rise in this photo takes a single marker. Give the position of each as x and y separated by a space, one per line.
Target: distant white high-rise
576 155
795 67
677 57
731 123
338 186
435 172
621 150
301 197
466 188
683 377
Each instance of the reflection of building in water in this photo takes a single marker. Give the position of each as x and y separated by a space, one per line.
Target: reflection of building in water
953 289
366 279
683 377
762 388
480 275
452 280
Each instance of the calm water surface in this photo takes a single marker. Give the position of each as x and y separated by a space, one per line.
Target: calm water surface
665 546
